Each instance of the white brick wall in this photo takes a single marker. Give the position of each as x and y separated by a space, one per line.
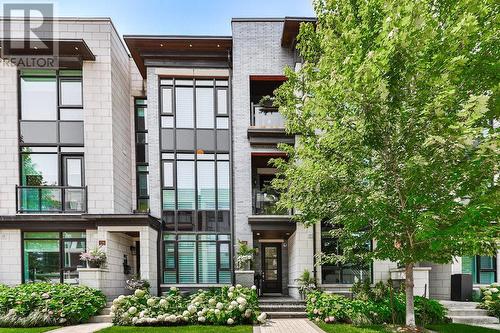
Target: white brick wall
10 257
300 256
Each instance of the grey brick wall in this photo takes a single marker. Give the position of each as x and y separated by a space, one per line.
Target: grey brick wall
256 51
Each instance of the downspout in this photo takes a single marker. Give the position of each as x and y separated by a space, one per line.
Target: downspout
159 253
314 253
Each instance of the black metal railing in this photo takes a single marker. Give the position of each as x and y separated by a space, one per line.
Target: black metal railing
51 199
265 203
266 117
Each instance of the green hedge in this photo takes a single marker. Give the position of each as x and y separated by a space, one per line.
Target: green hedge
335 308
221 306
46 304
490 299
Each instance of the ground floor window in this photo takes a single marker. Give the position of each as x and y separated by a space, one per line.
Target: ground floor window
348 273
197 259
52 256
482 268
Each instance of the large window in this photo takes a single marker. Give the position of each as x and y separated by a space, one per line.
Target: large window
52 256
197 259
341 273
482 268
141 154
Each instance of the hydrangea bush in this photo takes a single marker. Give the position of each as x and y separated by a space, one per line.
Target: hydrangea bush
339 309
221 306
46 304
490 299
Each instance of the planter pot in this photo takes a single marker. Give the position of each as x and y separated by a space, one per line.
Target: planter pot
93 264
245 278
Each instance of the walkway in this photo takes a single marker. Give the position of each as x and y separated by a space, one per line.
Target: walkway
287 326
83 328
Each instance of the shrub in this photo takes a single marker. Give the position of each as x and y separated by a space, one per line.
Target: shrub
490 299
376 309
45 304
218 306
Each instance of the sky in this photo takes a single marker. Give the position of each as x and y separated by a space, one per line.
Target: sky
178 17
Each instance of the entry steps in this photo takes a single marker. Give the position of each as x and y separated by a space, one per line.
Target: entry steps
468 313
104 316
282 307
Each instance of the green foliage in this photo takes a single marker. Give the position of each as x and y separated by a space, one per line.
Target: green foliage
180 329
462 328
490 299
244 255
218 306
393 107
267 101
330 308
307 283
44 304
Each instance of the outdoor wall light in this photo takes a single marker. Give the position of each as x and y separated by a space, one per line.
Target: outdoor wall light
133 250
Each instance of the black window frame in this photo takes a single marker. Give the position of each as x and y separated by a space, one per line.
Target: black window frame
141 167
61 239
480 270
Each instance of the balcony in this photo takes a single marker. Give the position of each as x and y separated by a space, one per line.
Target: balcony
51 199
265 203
267 126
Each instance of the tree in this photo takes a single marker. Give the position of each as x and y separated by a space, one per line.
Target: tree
394 107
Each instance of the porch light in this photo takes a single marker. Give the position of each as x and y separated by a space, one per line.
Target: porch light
133 250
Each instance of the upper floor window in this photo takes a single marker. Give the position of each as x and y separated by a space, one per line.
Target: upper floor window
482 268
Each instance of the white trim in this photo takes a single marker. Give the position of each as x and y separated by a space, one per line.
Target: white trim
271 240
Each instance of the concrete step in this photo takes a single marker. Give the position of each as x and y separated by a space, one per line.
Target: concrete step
459 305
456 312
283 308
281 301
474 320
101 319
276 315
105 311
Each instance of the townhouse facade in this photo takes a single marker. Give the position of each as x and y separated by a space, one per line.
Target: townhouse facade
156 149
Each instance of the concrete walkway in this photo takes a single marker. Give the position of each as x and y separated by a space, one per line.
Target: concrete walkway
287 326
83 328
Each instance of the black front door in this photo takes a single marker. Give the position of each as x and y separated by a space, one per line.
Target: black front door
271 268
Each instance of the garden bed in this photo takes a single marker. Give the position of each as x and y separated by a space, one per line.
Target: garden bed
179 329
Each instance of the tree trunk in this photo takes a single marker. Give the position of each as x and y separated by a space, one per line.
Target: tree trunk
410 308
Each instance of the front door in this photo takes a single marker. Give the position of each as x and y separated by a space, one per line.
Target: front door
271 267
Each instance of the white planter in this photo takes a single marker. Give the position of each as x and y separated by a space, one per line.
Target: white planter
245 278
92 277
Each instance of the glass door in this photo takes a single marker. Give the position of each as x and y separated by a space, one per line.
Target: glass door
74 194
271 268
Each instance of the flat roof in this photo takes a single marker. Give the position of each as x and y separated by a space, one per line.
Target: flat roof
291 27
64 47
145 48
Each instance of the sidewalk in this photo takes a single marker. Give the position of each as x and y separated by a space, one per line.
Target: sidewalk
83 328
287 326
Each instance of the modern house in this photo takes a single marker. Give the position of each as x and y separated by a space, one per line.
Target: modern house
156 149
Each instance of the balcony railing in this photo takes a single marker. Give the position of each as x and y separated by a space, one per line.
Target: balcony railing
265 203
51 199
266 117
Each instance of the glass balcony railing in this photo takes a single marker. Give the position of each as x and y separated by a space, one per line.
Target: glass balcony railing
265 203
51 199
266 117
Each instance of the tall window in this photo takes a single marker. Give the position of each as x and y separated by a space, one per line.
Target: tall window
195 178
482 268
51 141
341 273
141 154
52 256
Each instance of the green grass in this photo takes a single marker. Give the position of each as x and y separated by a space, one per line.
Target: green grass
460 328
26 330
344 328
179 329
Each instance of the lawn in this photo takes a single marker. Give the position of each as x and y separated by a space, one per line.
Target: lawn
179 329
456 328
27 330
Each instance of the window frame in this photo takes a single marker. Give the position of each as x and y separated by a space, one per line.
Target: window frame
138 165
480 270
61 240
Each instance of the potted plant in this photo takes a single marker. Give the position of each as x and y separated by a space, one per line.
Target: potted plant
95 258
244 256
267 101
137 283
307 283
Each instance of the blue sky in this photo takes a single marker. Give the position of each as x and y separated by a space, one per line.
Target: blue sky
180 17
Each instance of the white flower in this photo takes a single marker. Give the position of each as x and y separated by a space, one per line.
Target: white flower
231 289
201 319
33 294
234 303
173 288
254 287
230 321
62 320
230 295
212 301
185 318
163 302
45 295
217 311
248 313
139 293
239 286
185 313
230 307
192 309
494 290
134 320
262 317
241 300
241 307
219 306
132 310
151 302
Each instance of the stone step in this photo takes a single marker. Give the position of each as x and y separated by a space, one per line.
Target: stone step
276 315
281 301
459 305
456 312
105 311
474 320
282 308
101 319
